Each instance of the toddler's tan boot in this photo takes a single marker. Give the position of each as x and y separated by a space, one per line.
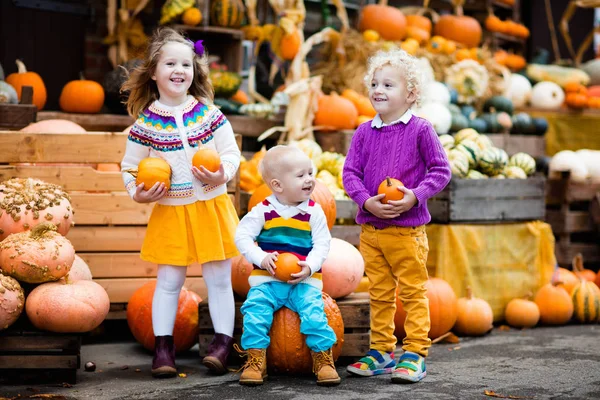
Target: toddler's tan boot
324 368
255 369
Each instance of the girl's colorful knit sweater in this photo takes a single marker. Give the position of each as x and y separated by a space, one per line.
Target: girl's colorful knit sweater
174 134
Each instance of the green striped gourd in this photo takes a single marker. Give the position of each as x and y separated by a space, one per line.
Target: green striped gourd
467 133
471 150
586 302
493 161
514 172
447 141
459 163
227 13
476 175
484 142
523 161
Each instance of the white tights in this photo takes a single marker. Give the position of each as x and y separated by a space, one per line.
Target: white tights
170 279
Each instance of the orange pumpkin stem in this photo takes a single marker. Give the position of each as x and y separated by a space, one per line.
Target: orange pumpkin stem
21 67
469 293
388 181
383 2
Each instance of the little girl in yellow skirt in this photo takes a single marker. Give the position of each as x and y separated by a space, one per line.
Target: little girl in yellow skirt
193 220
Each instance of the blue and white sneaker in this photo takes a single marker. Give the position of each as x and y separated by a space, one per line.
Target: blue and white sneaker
410 368
374 363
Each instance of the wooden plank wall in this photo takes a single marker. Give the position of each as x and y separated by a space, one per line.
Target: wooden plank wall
109 226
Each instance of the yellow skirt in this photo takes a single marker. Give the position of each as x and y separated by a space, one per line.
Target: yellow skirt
200 232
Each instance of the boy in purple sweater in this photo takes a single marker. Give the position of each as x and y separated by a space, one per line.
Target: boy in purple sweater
393 241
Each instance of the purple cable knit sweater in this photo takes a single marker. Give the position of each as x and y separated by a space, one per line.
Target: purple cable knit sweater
409 152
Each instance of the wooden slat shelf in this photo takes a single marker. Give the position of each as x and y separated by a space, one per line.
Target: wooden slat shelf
236 33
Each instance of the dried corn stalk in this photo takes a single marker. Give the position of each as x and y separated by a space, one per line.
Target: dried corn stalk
303 92
564 28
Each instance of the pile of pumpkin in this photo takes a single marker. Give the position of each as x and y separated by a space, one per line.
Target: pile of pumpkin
473 156
570 295
39 270
78 96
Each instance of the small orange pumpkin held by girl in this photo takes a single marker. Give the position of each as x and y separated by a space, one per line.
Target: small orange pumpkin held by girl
389 187
287 264
208 158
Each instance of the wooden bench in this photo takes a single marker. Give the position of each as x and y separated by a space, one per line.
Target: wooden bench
109 226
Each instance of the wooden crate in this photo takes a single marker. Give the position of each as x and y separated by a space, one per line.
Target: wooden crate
109 226
17 116
535 146
355 313
335 141
28 354
570 210
489 201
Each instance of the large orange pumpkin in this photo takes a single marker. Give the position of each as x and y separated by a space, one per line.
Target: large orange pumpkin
82 96
16 215
419 21
139 317
25 78
36 256
152 170
556 306
240 272
389 22
288 352
443 309
460 28
320 195
475 316
63 306
335 112
343 269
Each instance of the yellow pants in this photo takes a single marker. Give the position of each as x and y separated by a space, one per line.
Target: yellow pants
395 260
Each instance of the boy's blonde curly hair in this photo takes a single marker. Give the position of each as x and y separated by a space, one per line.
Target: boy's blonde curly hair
400 59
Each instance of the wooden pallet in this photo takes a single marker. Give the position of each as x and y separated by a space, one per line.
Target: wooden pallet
355 313
28 354
570 211
109 226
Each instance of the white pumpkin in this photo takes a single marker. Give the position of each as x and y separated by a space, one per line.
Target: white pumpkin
438 114
568 160
592 68
519 90
591 160
435 92
547 96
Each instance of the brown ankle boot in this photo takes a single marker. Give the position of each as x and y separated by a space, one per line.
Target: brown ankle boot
163 363
217 353
324 368
255 368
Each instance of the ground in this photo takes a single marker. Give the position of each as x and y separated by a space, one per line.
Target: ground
541 363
